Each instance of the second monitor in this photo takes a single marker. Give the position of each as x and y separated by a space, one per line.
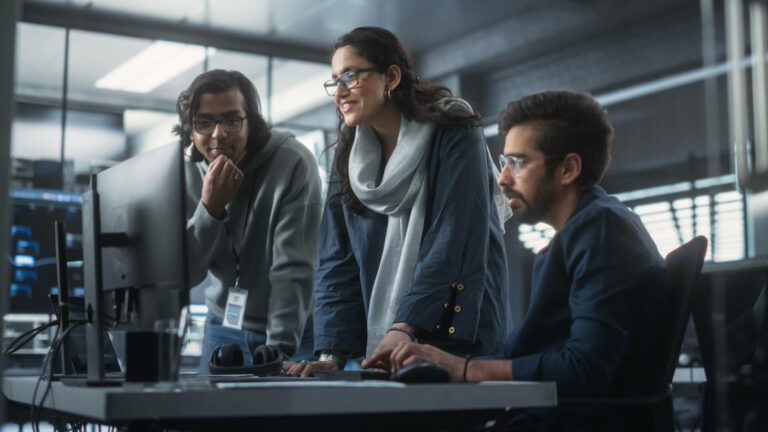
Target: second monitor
134 247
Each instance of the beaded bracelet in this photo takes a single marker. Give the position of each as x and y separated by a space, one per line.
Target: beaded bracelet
402 330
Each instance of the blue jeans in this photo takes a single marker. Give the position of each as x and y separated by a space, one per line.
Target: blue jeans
216 334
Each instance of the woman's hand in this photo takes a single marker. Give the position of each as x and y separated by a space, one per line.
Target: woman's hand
382 352
306 368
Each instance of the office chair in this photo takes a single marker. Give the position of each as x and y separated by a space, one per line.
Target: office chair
653 411
736 391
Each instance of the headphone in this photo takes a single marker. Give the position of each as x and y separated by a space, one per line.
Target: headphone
228 360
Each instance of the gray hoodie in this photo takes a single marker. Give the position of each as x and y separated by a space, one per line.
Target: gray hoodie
281 191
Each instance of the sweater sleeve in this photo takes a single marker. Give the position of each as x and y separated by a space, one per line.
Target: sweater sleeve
293 257
204 232
449 278
340 322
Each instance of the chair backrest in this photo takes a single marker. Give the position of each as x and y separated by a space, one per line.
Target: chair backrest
683 268
732 340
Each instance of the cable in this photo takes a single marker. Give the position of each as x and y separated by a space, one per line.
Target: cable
10 349
17 343
36 329
32 413
52 353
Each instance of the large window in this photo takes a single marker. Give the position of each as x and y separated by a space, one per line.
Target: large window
37 132
88 100
120 95
297 88
674 214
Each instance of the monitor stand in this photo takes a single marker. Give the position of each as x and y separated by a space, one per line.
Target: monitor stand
65 350
67 374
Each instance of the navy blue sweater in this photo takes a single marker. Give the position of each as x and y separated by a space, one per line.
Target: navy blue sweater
597 304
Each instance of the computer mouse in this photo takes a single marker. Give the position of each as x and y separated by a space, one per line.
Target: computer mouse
422 372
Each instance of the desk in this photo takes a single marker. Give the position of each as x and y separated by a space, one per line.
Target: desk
193 402
745 265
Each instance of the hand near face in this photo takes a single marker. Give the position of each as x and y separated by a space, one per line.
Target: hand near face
220 185
405 353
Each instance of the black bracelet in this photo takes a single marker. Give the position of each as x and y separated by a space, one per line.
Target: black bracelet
402 330
466 363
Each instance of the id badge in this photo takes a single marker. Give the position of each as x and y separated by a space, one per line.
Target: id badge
235 310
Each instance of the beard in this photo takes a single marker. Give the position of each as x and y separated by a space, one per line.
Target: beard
534 208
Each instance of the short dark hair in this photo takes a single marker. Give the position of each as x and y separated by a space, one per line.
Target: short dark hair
219 81
567 122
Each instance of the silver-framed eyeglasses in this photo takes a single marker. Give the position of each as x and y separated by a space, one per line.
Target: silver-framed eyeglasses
206 126
517 163
349 80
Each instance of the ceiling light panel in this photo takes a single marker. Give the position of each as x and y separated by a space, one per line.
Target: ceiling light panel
153 66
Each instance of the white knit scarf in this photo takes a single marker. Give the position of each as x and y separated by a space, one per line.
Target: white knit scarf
401 194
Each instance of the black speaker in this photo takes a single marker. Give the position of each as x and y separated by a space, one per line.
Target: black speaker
228 360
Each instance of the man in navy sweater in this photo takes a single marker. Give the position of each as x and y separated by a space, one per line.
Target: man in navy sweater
598 289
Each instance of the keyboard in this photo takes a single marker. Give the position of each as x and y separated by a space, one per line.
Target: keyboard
351 375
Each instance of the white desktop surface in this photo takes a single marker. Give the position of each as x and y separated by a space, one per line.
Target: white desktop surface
275 399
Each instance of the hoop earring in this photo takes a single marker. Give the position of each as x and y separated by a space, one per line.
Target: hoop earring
389 94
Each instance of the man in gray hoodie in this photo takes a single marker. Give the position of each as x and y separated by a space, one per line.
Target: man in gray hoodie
253 212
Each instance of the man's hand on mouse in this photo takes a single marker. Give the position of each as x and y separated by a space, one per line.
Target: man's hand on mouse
220 185
407 352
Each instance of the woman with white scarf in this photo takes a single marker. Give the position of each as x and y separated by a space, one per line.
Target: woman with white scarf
411 243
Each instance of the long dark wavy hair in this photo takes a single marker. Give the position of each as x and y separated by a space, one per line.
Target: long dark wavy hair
219 81
416 100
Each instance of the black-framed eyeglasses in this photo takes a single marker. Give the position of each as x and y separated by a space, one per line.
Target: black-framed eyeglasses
348 80
229 124
517 163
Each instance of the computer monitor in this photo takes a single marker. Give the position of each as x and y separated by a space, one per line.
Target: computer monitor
134 247
32 252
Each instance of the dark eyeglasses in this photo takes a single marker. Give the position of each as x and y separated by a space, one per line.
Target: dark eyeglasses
229 124
348 80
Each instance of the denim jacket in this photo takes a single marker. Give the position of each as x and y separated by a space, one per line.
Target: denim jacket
458 299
